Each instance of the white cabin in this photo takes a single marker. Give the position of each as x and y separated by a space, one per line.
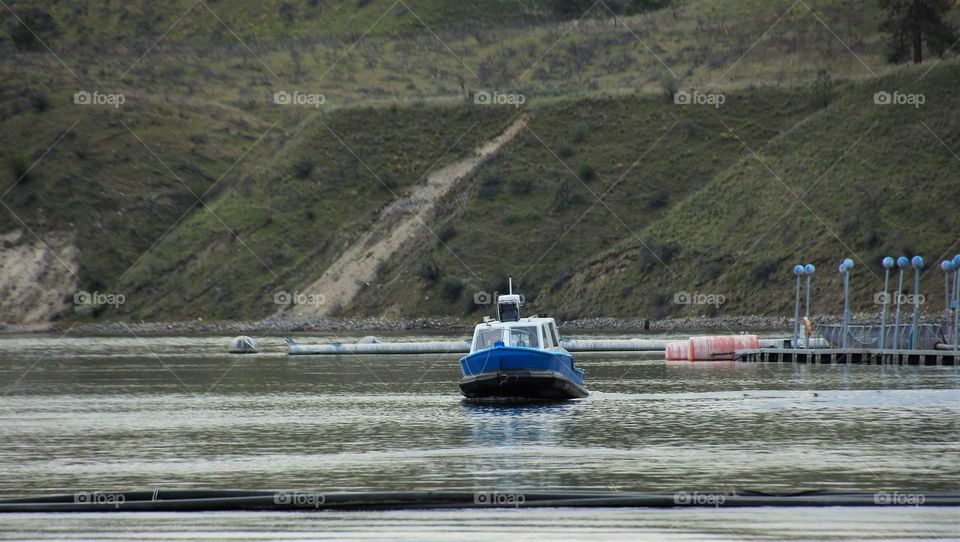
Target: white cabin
513 330
539 333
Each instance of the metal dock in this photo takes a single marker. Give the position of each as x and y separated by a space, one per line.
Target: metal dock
829 356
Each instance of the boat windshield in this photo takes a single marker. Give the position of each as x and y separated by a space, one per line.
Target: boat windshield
487 337
524 336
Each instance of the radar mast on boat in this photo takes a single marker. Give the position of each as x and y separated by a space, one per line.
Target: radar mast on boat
508 306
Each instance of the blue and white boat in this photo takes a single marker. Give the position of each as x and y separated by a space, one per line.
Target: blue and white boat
519 358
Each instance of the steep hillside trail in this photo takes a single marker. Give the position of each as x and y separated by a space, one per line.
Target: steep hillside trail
397 223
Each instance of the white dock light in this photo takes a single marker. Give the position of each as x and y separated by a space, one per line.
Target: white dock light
887 264
798 270
845 266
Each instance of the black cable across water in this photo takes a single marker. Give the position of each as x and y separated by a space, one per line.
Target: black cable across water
222 500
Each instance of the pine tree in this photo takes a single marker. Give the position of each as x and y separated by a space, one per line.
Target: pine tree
913 23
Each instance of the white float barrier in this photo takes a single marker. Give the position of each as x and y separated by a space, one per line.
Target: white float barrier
373 346
433 347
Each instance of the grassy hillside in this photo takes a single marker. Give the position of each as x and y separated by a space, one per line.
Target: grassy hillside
116 180
691 206
533 212
869 181
709 210
300 210
242 52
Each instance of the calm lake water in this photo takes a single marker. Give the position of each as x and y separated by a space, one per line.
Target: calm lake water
80 414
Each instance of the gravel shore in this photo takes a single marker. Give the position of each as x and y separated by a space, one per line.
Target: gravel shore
279 326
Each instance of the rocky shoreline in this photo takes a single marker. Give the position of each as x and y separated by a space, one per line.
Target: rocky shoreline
279 326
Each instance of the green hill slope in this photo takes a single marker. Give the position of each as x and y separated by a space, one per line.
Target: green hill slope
689 200
855 180
299 211
533 212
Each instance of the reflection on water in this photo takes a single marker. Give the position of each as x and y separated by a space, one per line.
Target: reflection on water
770 523
174 412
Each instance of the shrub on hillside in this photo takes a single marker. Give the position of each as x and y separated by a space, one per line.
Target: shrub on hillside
446 233
565 151
302 168
669 85
580 132
659 303
709 271
659 200
451 290
38 101
490 185
764 270
31 24
655 253
586 172
521 186
429 271
17 167
822 92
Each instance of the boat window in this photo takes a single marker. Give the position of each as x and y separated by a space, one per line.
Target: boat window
524 336
487 337
553 331
547 338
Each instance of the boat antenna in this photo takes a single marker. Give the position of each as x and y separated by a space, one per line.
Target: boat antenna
510 284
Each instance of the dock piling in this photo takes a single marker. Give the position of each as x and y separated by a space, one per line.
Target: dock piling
902 263
808 270
917 266
956 303
798 270
885 300
845 266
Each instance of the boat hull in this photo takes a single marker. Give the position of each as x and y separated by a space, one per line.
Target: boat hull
520 373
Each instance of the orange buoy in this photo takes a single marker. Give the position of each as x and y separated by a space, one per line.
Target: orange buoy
713 347
678 351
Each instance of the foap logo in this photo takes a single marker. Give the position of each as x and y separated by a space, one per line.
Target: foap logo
886 298
303 499
696 498
899 499
483 97
696 97
897 98
94 299
298 298
498 498
486 298
697 298
83 97
97 497
283 97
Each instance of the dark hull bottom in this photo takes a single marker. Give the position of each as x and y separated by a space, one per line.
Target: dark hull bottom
521 384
